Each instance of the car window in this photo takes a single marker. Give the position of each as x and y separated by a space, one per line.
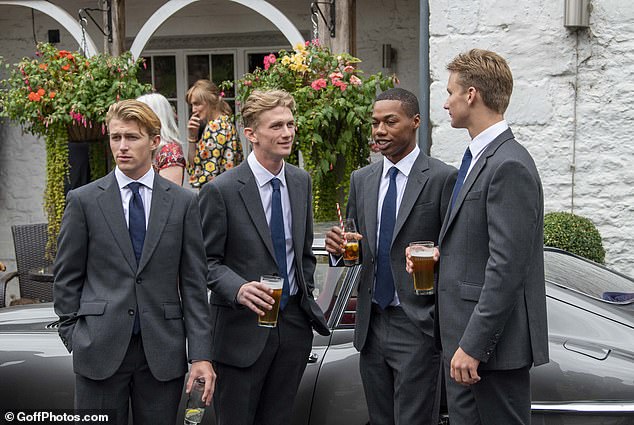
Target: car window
328 281
587 278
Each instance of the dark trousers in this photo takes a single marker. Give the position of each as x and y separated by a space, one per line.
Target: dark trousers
263 393
400 370
501 397
153 402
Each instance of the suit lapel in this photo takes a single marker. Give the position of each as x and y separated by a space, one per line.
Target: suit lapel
415 184
371 195
250 194
112 210
298 208
473 175
159 212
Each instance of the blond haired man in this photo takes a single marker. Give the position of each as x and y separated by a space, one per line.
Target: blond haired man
130 281
257 220
491 304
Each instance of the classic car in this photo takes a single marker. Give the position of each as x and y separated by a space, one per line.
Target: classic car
589 380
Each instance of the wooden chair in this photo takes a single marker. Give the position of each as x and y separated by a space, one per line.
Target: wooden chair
29 241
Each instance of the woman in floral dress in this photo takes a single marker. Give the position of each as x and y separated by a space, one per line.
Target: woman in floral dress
169 160
218 148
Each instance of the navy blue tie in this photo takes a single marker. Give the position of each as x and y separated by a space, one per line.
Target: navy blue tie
136 227
384 285
462 174
279 238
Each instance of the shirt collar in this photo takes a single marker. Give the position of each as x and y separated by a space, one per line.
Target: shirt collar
482 140
404 165
262 175
122 180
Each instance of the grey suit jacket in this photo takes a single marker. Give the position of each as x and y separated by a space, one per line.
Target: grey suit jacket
491 295
427 195
98 284
240 249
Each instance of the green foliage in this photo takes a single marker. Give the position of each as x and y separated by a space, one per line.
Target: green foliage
61 94
574 234
333 113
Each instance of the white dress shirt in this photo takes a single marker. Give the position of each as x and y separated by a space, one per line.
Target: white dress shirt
484 139
263 178
145 190
404 167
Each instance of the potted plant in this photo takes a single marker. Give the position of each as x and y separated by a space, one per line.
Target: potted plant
333 111
62 96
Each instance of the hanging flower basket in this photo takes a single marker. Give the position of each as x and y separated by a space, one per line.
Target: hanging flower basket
62 96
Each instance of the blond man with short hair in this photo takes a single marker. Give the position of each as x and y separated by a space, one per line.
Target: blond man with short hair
257 220
130 282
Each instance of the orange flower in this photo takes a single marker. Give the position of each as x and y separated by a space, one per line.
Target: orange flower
63 53
34 97
41 92
52 95
66 67
43 66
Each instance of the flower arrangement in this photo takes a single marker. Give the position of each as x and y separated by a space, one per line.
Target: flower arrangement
64 95
333 110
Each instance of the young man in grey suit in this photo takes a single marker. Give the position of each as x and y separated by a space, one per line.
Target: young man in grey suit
491 296
396 201
258 220
129 293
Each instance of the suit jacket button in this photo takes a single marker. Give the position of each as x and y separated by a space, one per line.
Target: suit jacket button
131 312
139 280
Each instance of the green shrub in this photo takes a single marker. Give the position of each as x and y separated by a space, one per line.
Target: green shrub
574 234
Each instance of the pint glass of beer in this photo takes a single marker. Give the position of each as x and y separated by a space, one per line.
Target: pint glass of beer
351 255
269 320
422 254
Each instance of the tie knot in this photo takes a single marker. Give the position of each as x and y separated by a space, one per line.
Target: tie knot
467 155
275 182
393 172
134 187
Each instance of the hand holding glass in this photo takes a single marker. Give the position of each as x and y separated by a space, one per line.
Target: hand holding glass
269 320
422 254
351 255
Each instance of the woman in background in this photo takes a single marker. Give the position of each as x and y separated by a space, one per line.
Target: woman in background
218 148
169 160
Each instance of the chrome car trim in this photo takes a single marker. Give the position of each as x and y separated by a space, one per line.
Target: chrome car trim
344 294
584 407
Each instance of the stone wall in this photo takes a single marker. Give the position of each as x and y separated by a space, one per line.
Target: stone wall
571 105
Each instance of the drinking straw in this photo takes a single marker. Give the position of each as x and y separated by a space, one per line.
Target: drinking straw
340 219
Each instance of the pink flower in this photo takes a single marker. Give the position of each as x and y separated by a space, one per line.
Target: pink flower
335 76
307 43
319 84
222 94
248 83
355 81
341 84
269 60
316 42
348 68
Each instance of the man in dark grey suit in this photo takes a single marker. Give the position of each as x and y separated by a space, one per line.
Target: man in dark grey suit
129 293
259 368
491 296
394 327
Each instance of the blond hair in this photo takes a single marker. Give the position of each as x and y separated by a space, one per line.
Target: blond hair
204 91
489 73
139 112
260 101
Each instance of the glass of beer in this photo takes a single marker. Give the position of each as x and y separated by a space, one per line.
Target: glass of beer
269 320
351 255
422 254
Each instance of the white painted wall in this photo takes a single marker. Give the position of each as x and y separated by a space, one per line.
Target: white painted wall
543 58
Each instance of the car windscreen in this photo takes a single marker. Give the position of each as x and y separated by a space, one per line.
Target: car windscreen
588 278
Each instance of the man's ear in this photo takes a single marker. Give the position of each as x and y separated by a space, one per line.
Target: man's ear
249 132
416 121
471 94
155 141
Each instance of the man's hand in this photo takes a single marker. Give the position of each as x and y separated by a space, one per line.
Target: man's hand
464 368
203 369
335 240
257 296
409 264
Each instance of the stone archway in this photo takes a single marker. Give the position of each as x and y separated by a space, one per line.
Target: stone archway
264 8
61 16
